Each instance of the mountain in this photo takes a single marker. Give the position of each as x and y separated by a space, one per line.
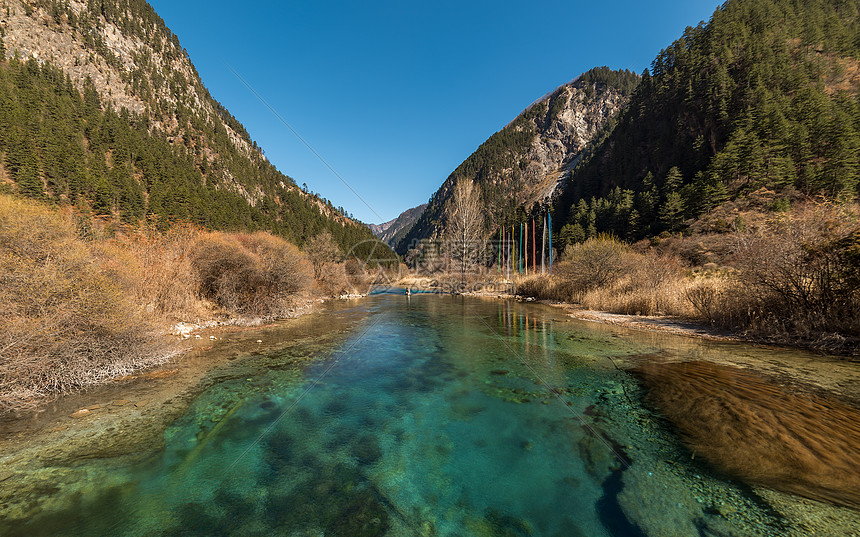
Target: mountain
101 107
523 164
394 230
379 229
764 98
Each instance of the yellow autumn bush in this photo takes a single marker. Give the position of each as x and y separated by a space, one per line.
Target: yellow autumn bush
77 311
65 320
255 274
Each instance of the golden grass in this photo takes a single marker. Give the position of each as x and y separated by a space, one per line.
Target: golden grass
607 275
795 278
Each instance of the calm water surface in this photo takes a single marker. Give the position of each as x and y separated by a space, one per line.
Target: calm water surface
435 416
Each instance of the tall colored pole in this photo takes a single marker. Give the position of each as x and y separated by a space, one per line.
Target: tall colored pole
526 249
534 255
543 249
550 242
520 258
499 264
504 253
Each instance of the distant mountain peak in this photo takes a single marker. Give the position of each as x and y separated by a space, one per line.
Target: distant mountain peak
392 230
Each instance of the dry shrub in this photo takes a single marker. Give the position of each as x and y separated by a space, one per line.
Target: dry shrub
357 275
322 250
66 320
167 283
257 274
74 313
156 269
650 284
285 269
606 274
597 262
225 270
332 279
540 286
799 278
722 301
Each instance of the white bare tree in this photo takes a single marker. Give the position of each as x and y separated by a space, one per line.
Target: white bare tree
465 225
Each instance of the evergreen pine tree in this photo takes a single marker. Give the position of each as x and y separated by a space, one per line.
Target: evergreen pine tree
29 181
672 212
102 196
634 226
569 234
673 182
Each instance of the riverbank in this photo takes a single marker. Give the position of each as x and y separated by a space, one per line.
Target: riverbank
123 421
832 344
87 300
832 375
826 373
654 323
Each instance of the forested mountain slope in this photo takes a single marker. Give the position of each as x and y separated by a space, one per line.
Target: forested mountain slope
522 165
101 107
765 95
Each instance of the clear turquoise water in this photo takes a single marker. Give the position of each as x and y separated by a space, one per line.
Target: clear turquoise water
435 416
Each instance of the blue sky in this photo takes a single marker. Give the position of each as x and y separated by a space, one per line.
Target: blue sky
395 94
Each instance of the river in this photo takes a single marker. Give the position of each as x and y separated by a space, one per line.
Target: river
407 416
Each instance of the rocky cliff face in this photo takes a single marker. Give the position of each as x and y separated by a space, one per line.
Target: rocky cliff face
379 229
133 60
524 164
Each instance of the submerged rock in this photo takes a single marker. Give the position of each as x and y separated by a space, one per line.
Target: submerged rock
506 525
649 501
366 450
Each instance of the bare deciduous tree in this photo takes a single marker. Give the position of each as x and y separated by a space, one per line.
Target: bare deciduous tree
465 225
322 249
